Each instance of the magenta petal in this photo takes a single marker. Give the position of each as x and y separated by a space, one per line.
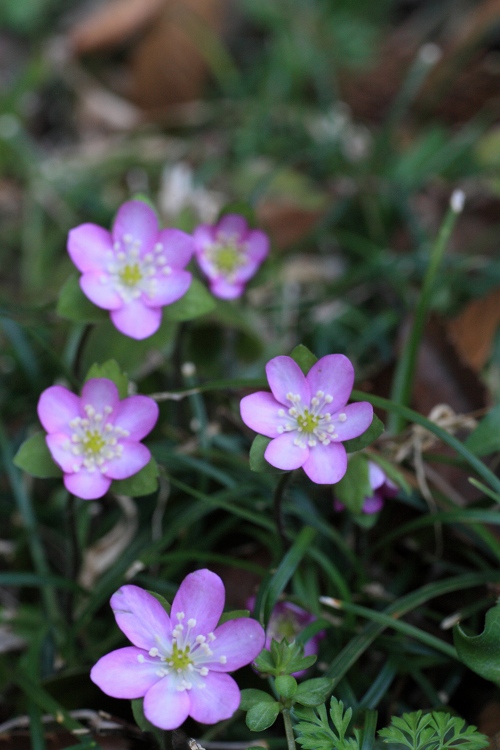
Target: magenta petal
120 674
283 454
285 376
56 408
223 289
99 393
200 596
136 414
203 236
57 443
97 286
233 224
333 374
136 320
258 245
138 220
218 700
86 484
168 289
141 617
178 247
358 418
88 245
166 707
376 476
373 504
259 411
240 641
326 464
244 273
134 457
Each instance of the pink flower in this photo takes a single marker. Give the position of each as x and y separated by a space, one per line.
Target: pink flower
229 254
307 416
178 663
382 488
133 271
95 438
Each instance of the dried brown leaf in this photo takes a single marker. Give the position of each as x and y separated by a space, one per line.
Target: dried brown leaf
473 331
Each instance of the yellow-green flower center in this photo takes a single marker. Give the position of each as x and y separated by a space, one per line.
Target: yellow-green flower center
180 658
307 421
93 442
227 258
130 274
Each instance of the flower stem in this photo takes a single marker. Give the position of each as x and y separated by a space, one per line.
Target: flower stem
278 508
287 720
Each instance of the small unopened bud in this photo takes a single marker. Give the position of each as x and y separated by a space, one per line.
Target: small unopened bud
457 201
188 369
430 53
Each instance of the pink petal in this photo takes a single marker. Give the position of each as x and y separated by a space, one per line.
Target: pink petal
283 454
326 464
244 273
120 674
99 393
373 504
333 374
141 617
178 247
232 224
134 457
136 414
259 411
258 245
136 320
138 220
61 455
240 641
218 700
376 476
203 236
359 417
285 376
56 408
86 484
168 289
97 286
200 596
88 245
166 707
224 289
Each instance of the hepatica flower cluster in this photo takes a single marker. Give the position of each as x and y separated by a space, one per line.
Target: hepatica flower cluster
229 254
96 438
307 416
179 662
134 270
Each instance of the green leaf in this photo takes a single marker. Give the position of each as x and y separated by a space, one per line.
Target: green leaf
262 715
314 692
197 301
286 685
145 482
369 436
480 652
164 603
235 614
256 457
304 358
106 342
354 487
111 370
486 437
75 306
143 723
34 458
250 697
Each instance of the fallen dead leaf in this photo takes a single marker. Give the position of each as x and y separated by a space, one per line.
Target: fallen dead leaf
473 331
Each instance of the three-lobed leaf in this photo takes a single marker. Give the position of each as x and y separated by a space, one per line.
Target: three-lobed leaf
35 459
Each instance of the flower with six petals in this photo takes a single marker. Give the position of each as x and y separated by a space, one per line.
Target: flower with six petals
134 270
229 254
96 438
306 416
178 662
